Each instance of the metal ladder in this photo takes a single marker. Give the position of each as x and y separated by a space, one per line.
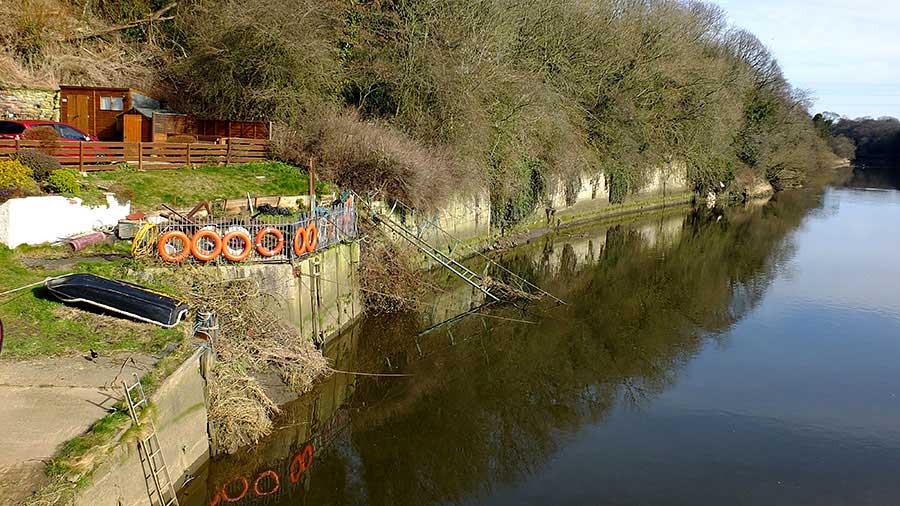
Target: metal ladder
160 489
437 255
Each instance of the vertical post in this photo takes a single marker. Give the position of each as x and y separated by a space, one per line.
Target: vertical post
312 189
80 156
189 154
140 155
227 151
17 146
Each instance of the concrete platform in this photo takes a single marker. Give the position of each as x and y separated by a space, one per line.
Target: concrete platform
46 402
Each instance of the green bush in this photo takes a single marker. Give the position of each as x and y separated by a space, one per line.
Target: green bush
40 163
64 181
13 174
15 180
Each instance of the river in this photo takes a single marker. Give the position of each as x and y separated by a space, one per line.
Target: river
704 357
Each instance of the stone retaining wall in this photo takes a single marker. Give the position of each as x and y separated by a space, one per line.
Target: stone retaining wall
29 103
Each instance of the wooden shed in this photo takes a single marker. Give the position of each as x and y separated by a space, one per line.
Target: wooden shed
97 110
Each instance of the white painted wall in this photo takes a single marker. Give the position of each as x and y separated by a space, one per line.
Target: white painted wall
39 220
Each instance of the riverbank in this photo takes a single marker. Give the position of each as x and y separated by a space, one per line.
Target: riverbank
524 396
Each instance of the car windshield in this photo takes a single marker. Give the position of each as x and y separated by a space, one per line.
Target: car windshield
8 127
67 132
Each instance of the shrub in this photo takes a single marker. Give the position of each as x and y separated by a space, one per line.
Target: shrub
182 138
48 139
373 157
40 163
64 181
13 174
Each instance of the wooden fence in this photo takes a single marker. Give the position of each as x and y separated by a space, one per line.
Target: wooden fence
98 156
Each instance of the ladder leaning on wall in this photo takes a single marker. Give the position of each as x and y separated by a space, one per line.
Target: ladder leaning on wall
160 489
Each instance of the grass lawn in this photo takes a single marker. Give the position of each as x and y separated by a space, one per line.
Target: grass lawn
36 324
185 187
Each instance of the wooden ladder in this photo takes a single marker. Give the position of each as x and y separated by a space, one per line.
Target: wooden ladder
160 489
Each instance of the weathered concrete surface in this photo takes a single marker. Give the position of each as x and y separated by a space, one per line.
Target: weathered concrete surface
590 194
45 403
181 423
319 295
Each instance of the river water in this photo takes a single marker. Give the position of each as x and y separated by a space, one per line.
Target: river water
704 357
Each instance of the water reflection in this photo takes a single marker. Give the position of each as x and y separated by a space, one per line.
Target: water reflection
673 375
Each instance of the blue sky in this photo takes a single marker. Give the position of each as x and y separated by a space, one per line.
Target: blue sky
847 53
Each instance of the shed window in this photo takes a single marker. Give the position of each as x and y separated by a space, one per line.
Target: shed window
111 104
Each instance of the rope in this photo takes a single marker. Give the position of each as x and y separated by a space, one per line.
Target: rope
30 285
379 374
144 241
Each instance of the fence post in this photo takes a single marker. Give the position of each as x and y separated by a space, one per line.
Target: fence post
189 154
80 156
227 152
17 146
140 155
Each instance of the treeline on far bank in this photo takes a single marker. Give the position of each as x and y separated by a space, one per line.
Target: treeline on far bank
422 99
861 138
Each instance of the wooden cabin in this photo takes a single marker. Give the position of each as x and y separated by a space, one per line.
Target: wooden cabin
97 110
126 114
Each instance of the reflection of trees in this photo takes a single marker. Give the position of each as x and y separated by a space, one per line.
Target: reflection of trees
492 408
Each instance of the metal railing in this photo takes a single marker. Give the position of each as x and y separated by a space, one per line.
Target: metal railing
334 225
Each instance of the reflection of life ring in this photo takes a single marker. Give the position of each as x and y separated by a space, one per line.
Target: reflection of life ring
171 256
300 241
216 499
259 478
301 462
312 237
205 255
235 254
307 456
240 496
263 250
296 468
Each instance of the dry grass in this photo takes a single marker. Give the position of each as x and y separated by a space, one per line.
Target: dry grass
252 338
36 50
390 281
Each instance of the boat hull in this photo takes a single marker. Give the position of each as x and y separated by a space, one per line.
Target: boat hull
127 299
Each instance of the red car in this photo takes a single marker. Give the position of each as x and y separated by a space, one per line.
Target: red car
15 129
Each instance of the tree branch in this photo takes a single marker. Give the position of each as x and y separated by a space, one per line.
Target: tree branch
154 16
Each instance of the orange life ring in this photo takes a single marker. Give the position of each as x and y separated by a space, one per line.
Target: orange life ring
263 474
228 498
248 246
202 255
164 241
264 251
300 245
312 237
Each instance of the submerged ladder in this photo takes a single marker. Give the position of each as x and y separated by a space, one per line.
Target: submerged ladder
469 276
160 488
